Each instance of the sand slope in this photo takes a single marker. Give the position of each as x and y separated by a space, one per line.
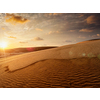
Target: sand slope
81 72
88 49
76 65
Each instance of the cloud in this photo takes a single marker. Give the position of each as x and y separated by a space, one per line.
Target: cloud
12 37
23 42
48 14
39 29
81 37
98 34
92 19
71 30
55 14
13 19
38 39
53 32
81 15
68 41
3 28
85 30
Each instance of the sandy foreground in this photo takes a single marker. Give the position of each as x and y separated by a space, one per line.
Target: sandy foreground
70 66
54 73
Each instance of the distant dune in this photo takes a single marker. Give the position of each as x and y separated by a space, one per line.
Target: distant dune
88 41
76 65
23 50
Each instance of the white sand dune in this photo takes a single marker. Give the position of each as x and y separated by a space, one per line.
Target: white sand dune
87 49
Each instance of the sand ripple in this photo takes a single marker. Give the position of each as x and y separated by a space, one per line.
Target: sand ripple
82 72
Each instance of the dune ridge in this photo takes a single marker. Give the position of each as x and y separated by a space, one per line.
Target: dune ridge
88 49
76 65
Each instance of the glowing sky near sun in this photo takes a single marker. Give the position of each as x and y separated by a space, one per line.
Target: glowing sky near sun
48 29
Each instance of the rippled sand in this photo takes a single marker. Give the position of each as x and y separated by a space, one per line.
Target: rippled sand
54 73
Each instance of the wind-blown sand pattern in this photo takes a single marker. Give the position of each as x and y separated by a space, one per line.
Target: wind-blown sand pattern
76 65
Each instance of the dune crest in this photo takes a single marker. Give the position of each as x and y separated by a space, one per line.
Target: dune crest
87 49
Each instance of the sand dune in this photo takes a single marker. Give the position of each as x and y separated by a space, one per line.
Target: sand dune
17 51
88 49
62 73
74 65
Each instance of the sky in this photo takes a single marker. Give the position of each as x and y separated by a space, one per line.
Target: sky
48 29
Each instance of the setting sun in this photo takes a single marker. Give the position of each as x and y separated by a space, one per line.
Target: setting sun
3 44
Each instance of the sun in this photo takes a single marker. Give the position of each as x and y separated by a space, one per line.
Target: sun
3 44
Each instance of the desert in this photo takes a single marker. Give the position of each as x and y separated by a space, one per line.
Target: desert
69 66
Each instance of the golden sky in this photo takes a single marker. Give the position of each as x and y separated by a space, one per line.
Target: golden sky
48 29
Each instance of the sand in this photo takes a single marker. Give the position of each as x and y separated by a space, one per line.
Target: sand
54 73
88 49
76 65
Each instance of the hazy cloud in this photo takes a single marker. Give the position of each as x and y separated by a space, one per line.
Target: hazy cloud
55 14
13 19
81 15
71 30
12 37
38 39
48 14
98 34
53 32
3 28
81 37
68 41
39 29
85 30
92 19
23 42
52 14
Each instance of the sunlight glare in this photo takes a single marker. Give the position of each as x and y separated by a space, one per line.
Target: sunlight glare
3 44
